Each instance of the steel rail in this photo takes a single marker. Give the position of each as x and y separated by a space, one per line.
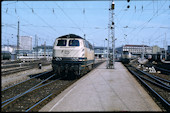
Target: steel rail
45 85
158 79
26 67
38 102
24 81
165 104
161 69
15 71
155 83
29 91
45 97
18 96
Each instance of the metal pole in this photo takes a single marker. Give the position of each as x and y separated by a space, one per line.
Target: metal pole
45 49
36 47
108 52
165 47
143 51
112 35
18 41
104 50
111 58
113 39
8 44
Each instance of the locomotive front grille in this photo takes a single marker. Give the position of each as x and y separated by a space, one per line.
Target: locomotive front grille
67 59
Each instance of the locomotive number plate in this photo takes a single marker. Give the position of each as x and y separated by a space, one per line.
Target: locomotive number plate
66 52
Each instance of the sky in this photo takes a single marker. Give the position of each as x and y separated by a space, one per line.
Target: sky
144 22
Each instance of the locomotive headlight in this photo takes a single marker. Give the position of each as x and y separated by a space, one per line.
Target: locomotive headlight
58 58
54 57
82 58
75 59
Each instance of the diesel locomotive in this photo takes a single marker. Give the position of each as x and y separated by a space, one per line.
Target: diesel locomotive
72 54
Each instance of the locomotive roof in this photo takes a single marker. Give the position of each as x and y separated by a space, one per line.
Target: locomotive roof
70 36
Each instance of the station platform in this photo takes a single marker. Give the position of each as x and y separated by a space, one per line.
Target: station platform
104 90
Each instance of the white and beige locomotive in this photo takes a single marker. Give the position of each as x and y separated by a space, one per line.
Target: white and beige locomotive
72 55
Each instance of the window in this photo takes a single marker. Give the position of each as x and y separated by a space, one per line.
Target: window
74 43
86 43
90 46
24 54
125 52
61 42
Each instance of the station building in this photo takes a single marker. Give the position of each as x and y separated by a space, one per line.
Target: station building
100 52
137 49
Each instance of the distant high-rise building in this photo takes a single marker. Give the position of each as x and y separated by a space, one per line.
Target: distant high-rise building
25 43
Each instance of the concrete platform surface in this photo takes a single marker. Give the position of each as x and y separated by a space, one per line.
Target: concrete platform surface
104 90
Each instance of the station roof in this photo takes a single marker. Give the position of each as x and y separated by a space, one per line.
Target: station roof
136 46
43 47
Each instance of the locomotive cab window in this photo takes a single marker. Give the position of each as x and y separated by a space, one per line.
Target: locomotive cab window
61 42
74 43
125 52
86 44
91 47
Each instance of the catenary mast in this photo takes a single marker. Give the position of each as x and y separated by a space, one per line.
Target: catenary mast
111 54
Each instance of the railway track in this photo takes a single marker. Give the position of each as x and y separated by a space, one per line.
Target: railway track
164 68
158 87
24 95
34 93
19 69
16 70
21 87
164 71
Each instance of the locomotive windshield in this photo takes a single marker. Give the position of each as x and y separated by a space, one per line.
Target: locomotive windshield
126 52
61 42
73 43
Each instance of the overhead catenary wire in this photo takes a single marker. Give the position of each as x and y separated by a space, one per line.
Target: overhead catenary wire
141 26
30 24
144 24
70 18
120 26
41 18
